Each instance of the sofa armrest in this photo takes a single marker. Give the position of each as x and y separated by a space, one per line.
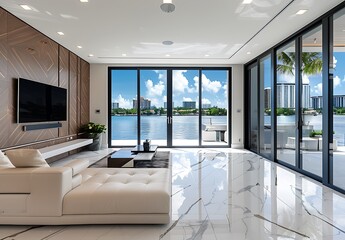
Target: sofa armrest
48 188
78 166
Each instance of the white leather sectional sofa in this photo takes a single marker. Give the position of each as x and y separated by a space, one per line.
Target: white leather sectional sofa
75 194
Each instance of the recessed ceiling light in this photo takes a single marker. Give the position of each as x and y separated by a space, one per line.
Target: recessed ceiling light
206 55
247 1
90 55
167 55
124 54
167 6
302 11
249 53
79 47
168 42
84 1
26 7
60 33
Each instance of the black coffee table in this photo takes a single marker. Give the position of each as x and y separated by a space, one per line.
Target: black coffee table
126 157
140 149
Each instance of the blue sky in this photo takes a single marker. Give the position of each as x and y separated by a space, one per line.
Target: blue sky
153 85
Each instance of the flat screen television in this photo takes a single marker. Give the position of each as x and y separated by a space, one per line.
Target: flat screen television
39 102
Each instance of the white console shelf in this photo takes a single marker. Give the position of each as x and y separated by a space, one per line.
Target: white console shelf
60 148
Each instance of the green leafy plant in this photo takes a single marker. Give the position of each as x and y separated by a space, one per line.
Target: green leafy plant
93 129
317 133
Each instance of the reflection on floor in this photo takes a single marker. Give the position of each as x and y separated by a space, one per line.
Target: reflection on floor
224 194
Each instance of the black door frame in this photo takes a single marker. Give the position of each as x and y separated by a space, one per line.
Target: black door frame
170 103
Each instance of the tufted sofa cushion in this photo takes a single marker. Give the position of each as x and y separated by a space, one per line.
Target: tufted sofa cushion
120 190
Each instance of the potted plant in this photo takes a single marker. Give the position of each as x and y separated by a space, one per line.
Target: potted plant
94 131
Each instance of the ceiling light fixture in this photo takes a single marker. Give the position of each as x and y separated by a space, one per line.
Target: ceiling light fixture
302 11
247 1
249 53
206 55
167 6
124 54
84 1
167 55
167 42
60 33
79 47
90 55
26 7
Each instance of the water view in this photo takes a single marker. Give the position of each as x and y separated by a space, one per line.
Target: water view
155 127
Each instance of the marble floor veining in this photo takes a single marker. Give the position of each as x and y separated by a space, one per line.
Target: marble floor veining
224 194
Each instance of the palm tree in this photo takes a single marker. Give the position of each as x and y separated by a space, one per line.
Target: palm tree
311 63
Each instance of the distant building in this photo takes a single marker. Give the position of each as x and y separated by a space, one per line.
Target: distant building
189 104
115 105
144 103
286 95
338 101
206 105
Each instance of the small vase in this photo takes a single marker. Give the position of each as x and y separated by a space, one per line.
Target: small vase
97 140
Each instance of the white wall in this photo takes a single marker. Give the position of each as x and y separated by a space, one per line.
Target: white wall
237 126
99 96
99 100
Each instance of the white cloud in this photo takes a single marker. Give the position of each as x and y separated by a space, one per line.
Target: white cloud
305 79
318 89
344 79
123 103
207 84
154 90
180 83
187 99
164 98
334 62
225 88
161 74
221 104
336 81
206 101
288 78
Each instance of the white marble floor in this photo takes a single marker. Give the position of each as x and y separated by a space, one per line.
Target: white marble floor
224 194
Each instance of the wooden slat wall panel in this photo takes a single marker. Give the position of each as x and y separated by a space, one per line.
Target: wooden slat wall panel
27 53
5 83
64 83
33 56
85 92
73 94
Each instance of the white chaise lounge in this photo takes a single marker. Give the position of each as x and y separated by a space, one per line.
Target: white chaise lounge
75 194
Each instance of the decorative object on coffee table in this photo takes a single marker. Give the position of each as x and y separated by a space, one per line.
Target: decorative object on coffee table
146 145
94 131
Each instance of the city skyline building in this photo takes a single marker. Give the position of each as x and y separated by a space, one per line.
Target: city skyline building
144 103
189 104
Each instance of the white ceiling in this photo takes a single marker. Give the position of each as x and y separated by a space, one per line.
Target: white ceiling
222 29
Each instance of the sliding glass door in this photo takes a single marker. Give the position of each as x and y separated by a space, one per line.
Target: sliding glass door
185 101
214 107
123 121
171 107
153 106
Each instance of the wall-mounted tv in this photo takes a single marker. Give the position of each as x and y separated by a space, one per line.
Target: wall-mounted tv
38 102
